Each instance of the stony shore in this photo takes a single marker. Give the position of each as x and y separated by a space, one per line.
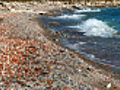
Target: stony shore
31 61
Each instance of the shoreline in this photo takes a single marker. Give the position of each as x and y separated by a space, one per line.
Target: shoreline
51 35
60 67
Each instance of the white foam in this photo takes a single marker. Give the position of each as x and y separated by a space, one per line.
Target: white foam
94 27
77 26
74 16
82 43
91 56
87 10
73 46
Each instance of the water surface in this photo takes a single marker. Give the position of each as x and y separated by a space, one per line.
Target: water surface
94 32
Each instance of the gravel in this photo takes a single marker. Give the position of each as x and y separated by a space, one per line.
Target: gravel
30 61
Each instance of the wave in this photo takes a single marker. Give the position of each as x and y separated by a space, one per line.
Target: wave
94 27
69 16
87 10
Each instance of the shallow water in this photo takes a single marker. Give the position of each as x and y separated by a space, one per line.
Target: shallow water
93 32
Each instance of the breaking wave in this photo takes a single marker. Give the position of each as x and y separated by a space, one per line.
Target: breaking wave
94 27
70 16
87 10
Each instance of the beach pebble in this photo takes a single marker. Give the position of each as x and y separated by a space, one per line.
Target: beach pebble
66 88
109 85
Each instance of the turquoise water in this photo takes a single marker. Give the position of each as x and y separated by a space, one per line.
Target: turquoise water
94 32
109 15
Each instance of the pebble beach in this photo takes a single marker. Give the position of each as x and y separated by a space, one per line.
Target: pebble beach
30 61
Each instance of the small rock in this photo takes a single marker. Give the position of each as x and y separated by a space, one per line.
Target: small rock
62 51
13 6
41 13
55 40
109 85
66 88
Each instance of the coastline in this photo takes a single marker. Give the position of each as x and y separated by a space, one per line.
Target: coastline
31 34
52 35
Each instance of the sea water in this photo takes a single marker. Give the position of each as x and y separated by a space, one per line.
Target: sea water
93 32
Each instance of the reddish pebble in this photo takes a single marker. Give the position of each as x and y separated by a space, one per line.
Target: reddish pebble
66 88
107 66
115 87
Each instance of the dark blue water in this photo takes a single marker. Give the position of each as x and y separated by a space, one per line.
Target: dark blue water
94 32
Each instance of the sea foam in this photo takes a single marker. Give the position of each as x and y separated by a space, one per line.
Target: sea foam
74 16
94 27
87 10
